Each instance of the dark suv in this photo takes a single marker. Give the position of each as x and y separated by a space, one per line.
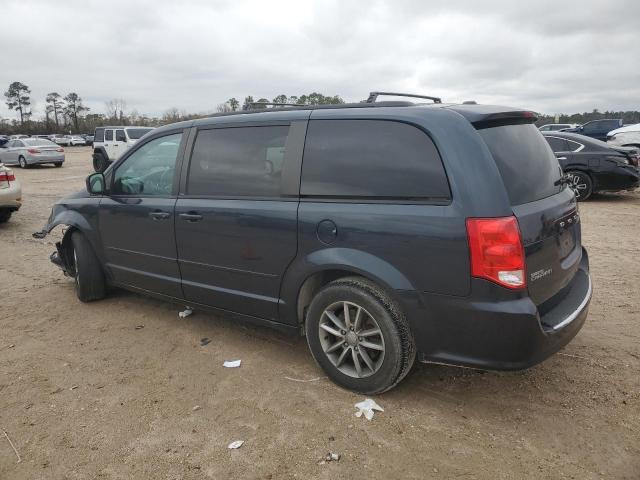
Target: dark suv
382 231
597 129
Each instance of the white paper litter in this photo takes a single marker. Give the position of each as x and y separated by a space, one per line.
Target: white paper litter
185 313
236 444
367 407
231 363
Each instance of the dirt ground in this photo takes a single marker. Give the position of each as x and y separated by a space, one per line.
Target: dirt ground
84 394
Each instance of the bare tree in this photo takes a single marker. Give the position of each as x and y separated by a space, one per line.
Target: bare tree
223 108
115 108
54 104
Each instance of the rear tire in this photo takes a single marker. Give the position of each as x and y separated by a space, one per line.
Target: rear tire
99 162
581 184
58 164
5 215
22 162
89 279
354 356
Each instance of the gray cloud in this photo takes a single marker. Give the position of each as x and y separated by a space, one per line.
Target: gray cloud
548 56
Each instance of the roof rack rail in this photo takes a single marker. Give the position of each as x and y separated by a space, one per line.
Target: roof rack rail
273 104
374 95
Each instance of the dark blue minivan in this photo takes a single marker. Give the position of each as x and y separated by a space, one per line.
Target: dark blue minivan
382 231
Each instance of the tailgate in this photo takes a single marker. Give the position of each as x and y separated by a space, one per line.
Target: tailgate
551 236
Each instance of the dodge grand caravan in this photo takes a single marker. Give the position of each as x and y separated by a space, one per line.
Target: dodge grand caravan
382 231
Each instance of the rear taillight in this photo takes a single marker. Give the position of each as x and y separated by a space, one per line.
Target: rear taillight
496 251
6 176
60 149
33 150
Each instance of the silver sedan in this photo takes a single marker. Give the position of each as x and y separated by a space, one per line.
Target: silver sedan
31 151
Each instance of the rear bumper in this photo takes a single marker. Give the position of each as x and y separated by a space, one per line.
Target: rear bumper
504 334
35 159
11 198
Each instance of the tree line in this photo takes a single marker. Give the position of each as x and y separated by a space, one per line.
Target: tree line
68 114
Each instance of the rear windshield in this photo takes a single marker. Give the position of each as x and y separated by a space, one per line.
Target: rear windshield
526 163
37 142
136 133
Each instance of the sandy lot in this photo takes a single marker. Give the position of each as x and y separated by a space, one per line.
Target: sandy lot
84 394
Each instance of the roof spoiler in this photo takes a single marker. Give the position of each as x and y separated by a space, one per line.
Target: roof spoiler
487 116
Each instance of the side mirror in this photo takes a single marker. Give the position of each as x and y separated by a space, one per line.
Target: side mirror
96 184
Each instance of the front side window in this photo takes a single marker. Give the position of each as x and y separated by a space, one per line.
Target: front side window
238 161
150 169
374 159
108 135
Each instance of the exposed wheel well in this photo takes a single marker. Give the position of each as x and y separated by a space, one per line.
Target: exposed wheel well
314 283
67 246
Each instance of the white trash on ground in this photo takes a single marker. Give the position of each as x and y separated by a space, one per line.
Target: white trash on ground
185 313
231 363
236 444
367 407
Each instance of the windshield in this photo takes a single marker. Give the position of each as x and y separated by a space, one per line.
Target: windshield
136 133
529 169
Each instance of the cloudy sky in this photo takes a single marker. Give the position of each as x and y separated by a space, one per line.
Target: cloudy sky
549 56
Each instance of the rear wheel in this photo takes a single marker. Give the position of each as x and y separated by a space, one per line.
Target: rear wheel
89 279
58 164
99 162
359 336
5 215
581 184
23 162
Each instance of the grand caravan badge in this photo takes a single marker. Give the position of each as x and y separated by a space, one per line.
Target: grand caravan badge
537 275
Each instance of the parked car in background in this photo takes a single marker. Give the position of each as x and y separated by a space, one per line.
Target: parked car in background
597 129
76 140
61 139
591 165
10 193
379 262
30 151
628 136
15 137
3 139
554 127
109 143
88 140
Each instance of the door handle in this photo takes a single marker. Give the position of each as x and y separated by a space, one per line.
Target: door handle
191 217
561 158
159 215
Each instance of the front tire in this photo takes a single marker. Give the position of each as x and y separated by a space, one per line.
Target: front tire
359 336
99 162
581 184
89 279
23 162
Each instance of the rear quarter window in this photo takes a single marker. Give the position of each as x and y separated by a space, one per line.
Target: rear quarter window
376 159
528 167
99 135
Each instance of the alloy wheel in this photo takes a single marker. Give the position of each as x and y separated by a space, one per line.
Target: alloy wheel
351 339
578 184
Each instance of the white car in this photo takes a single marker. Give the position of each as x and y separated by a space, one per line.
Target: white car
61 139
109 143
628 136
10 193
556 127
76 140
